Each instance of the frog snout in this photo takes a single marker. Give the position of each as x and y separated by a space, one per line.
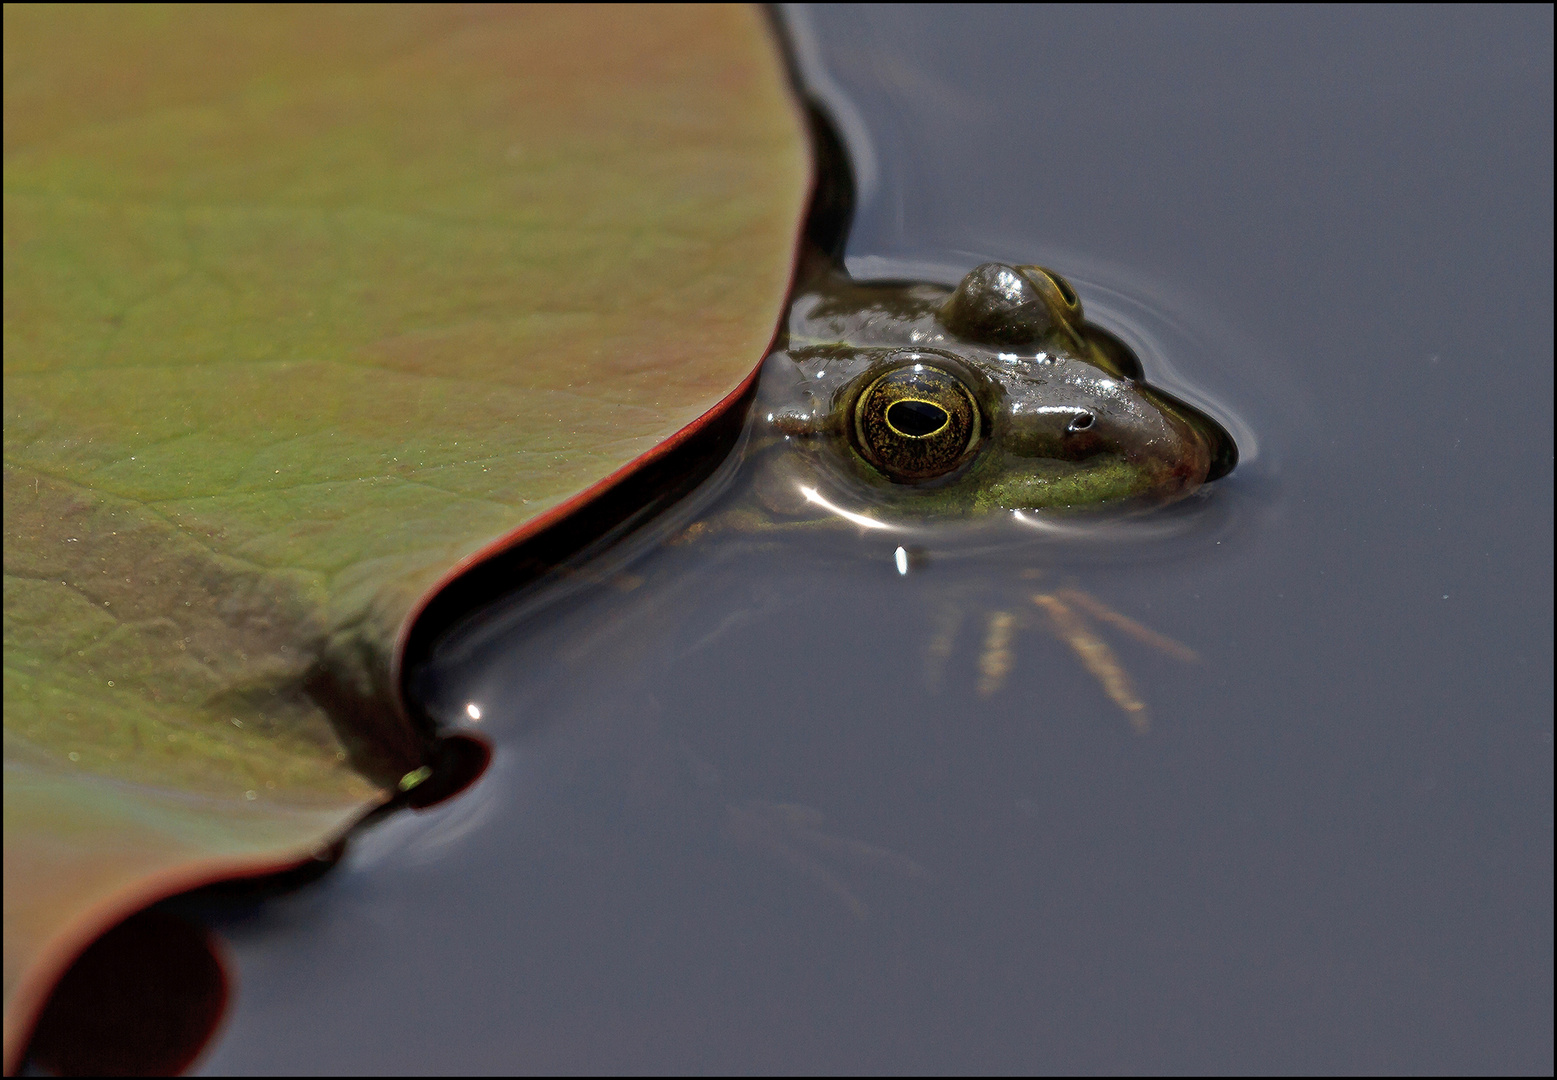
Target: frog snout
1063 432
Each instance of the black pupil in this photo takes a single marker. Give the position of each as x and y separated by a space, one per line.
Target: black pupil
917 418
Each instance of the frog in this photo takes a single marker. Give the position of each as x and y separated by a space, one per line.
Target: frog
923 401
910 406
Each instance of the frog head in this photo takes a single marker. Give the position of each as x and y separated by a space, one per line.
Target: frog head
995 396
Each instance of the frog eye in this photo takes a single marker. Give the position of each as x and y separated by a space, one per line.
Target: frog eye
916 422
1000 305
1011 305
1056 291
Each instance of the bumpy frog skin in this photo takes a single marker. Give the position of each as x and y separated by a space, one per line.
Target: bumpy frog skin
991 397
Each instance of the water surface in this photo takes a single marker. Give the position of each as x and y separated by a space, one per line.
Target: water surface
749 809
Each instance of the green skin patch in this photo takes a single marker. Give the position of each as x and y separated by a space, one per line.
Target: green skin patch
1064 417
1111 480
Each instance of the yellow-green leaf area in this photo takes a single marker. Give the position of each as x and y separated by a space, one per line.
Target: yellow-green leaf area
303 305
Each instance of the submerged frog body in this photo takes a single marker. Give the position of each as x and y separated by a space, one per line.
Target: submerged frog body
994 396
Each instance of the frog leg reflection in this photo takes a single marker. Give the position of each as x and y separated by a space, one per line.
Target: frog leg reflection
1145 635
944 640
1068 609
790 833
995 659
1072 628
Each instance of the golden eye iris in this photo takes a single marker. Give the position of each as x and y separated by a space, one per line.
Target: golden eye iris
916 422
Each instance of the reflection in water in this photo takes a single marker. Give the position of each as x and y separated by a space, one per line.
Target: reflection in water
810 495
142 1000
632 666
1070 625
1097 656
792 834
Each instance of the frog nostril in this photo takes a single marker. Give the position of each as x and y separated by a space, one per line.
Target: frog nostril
917 419
1082 422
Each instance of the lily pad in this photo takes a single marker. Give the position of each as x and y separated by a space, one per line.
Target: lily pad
305 307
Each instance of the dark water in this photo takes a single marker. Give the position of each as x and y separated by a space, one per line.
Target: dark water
748 808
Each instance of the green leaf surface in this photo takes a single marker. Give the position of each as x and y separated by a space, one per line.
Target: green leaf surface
303 306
